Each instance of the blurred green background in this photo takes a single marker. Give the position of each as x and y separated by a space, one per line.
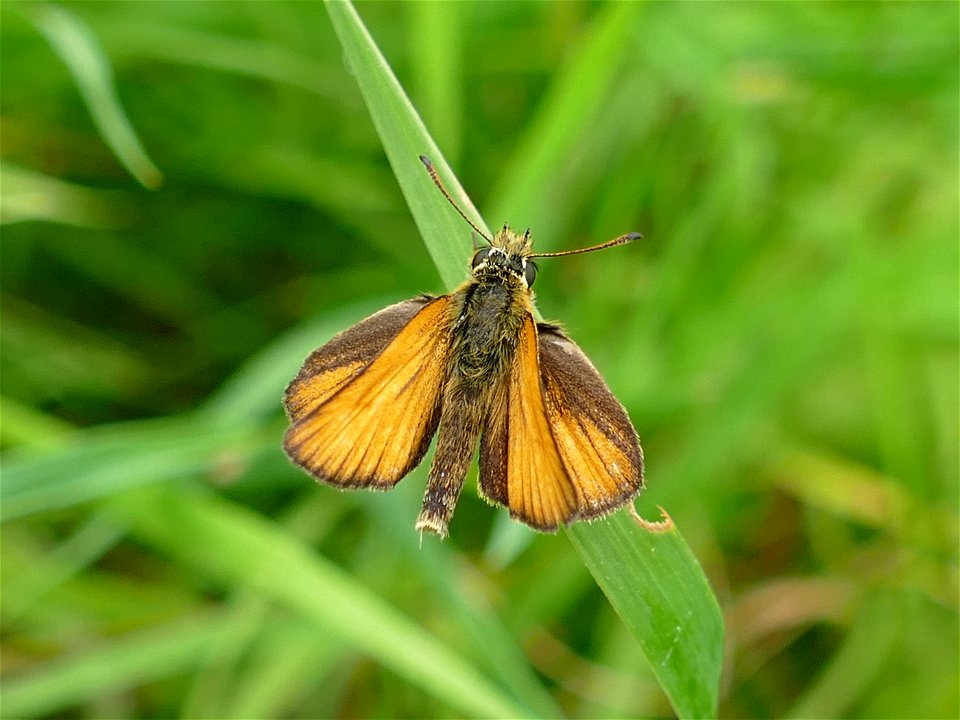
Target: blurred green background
785 339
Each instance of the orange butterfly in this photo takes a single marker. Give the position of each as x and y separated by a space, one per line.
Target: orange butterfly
555 444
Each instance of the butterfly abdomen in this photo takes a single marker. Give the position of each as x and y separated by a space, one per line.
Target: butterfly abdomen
489 314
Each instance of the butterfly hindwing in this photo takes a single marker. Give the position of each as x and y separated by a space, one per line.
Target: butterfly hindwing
559 447
365 405
520 466
593 433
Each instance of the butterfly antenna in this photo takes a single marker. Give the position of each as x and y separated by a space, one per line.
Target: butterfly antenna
436 181
622 240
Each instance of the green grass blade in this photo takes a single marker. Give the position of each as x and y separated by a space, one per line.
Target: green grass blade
235 545
160 652
76 45
652 580
567 115
656 586
438 71
104 460
404 139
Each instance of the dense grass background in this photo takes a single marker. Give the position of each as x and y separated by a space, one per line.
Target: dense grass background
786 340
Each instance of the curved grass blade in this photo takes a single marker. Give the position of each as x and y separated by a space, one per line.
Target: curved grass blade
161 652
404 139
236 545
656 586
76 45
652 580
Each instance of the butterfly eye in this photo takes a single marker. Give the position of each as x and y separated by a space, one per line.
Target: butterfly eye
530 272
479 257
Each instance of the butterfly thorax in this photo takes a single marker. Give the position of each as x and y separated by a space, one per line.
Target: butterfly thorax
488 326
491 308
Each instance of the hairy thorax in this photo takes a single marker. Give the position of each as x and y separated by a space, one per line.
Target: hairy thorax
488 324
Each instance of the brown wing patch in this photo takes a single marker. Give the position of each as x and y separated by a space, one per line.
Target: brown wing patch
596 441
367 424
539 492
493 448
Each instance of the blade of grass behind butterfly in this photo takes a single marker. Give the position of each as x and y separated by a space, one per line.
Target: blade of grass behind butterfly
652 598
404 139
232 544
76 45
658 589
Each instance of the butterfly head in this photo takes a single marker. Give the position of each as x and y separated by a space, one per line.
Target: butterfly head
508 256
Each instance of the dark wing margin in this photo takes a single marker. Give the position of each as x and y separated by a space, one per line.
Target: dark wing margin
365 405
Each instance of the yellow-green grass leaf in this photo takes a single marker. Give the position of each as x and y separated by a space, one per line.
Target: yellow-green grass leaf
652 580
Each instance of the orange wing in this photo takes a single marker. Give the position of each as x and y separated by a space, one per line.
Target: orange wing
364 406
557 446
520 466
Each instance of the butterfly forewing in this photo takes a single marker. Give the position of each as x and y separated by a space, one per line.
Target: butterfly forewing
593 434
346 355
364 406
